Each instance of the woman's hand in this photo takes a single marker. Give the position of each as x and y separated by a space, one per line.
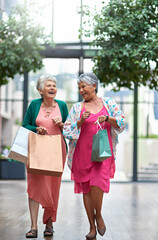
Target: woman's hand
101 119
84 116
42 130
111 120
58 121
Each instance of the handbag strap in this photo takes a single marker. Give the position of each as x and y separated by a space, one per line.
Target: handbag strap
98 126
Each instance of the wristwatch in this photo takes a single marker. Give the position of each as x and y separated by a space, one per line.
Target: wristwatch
107 117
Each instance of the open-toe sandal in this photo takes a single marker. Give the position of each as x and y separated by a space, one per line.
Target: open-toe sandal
33 233
91 236
48 232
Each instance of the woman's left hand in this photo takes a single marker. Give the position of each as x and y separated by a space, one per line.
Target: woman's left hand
42 130
110 119
101 119
58 121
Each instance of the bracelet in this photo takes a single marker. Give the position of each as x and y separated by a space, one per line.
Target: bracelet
62 124
107 118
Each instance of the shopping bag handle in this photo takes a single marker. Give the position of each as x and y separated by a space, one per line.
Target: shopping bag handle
98 124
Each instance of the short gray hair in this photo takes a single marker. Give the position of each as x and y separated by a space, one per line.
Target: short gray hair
89 78
42 80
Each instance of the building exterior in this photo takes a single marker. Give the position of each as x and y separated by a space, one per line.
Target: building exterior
6 93
66 62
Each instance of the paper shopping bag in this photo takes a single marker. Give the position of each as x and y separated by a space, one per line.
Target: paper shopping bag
100 146
45 154
19 149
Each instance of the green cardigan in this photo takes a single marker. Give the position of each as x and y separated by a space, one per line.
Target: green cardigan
33 110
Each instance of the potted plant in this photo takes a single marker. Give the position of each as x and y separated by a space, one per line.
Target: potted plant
9 168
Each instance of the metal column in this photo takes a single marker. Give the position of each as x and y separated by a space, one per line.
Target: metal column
135 132
25 96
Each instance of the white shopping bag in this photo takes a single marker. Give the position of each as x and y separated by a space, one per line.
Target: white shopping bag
19 149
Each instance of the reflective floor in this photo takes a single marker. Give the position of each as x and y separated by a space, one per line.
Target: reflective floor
130 211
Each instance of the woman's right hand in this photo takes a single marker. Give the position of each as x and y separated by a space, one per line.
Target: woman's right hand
42 130
84 116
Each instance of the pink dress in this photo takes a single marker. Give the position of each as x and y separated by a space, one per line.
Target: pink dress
86 173
41 188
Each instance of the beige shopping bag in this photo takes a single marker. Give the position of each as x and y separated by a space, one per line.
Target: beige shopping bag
45 154
19 149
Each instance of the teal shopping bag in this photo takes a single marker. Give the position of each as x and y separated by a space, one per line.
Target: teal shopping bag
100 146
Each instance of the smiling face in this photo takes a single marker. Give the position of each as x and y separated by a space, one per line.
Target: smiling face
86 90
49 90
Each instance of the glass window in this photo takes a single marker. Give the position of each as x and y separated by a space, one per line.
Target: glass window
66 73
66 21
88 65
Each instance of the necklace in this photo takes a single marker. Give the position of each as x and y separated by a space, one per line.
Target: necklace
48 110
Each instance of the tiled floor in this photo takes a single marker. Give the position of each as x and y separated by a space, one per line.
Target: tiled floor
130 211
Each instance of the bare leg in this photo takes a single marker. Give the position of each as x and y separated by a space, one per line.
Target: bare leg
49 223
49 228
97 198
34 207
90 212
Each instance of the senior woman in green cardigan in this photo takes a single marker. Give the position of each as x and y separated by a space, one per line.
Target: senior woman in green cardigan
45 116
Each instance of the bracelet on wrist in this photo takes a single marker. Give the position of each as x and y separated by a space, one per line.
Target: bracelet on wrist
107 118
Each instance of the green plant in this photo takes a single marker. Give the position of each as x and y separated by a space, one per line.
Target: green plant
18 122
149 136
21 39
2 156
126 35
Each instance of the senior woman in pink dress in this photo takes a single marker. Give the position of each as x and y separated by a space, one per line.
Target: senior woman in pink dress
45 115
92 179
